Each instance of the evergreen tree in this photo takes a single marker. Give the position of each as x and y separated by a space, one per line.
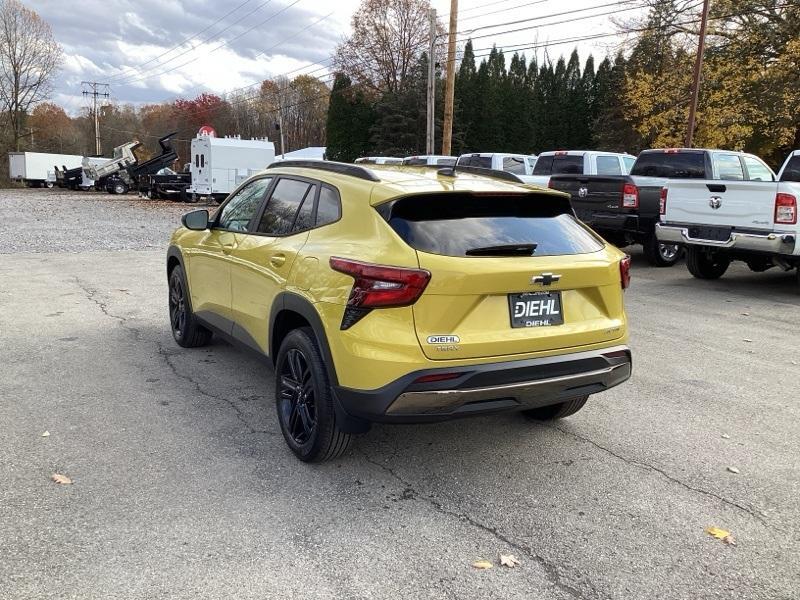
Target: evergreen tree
350 117
466 103
517 118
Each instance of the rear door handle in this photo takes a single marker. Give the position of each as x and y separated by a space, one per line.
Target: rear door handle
277 260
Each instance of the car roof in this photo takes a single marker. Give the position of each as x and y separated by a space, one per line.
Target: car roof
392 181
497 154
581 152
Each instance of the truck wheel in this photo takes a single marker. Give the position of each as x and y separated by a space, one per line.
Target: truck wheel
48 185
706 265
304 402
556 411
661 255
120 188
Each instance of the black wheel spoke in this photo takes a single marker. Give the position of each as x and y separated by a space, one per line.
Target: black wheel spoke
296 397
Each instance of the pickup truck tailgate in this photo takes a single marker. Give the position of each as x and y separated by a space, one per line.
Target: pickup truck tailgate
738 204
592 195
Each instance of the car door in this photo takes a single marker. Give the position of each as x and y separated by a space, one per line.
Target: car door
263 258
208 260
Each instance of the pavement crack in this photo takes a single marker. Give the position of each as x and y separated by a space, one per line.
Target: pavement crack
551 570
642 465
92 295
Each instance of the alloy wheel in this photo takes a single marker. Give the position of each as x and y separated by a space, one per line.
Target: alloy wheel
296 400
668 252
177 305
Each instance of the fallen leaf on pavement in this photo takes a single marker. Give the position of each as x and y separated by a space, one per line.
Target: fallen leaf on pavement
725 436
62 479
721 534
748 340
46 434
482 564
745 314
509 560
733 469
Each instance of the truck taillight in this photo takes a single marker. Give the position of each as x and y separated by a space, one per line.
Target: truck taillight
662 202
630 196
625 272
785 209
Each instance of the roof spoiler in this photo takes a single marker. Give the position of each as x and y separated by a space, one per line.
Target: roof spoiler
330 166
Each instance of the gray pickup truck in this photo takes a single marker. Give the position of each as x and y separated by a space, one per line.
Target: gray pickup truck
625 209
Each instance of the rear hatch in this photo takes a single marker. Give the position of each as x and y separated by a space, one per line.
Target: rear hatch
592 194
510 274
739 204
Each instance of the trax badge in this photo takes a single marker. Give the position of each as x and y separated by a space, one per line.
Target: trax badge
545 278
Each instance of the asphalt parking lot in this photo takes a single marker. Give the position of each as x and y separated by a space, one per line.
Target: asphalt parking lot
183 487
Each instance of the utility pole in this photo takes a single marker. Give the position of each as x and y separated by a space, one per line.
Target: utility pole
96 90
449 92
431 138
280 128
698 71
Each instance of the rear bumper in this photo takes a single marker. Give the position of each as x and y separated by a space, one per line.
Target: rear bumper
477 389
771 243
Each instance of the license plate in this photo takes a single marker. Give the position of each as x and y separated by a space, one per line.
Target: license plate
717 234
535 309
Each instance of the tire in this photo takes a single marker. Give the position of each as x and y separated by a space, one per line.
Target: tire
759 265
706 265
556 411
661 255
49 185
187 332
304 401
120 188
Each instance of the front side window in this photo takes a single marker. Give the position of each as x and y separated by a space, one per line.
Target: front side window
514 164
287 200
608 165
237 212
728 167
756 170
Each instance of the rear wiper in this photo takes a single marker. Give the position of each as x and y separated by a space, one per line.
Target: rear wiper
506 250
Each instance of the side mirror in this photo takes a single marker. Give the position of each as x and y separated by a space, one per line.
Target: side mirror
197 220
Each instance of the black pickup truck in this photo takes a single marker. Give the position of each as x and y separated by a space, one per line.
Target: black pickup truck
624 209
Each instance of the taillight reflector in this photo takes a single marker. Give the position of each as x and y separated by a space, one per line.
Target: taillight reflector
625 272
381 286
662 202
630 196
437 377
785 209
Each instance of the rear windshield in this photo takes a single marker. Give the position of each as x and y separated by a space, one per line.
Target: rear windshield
792 170
473 225
564 164
671 165
484 162
414 162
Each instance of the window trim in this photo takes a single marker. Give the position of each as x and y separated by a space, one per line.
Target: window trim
215 223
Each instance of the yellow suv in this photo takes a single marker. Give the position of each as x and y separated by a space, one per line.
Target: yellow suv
402 294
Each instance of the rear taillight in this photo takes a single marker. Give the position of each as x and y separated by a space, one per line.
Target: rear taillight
785 209
378 286
550 184
625 272
630 196
662 203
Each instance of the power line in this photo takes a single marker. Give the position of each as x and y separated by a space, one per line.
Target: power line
128 80
184 41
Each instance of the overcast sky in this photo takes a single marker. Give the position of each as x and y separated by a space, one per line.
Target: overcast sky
157 50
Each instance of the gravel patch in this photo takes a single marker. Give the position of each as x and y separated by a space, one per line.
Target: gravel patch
43 221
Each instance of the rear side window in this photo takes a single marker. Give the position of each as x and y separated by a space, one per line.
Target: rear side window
792 170
329 208
484 162
728 167
514 164
475 225
608 165
629 162
671 165
286 201
756 170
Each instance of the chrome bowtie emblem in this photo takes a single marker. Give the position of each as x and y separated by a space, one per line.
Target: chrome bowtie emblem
545 278
715 202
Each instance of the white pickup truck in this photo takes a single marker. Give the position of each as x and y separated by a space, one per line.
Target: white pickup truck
742 212
520 165
579 162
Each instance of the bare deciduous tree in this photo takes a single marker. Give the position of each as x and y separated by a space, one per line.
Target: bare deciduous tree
388 37
29 58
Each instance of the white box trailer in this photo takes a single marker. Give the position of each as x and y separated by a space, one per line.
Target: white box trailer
37 169
218 165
